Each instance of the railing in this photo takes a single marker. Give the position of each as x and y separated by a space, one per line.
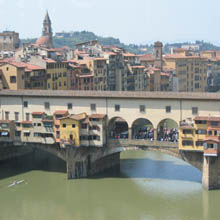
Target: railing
147 143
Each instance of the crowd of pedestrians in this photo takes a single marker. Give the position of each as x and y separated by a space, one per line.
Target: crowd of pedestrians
145 133
170 134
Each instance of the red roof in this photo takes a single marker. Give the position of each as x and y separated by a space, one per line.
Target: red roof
33 67
37 113
61 112
26 122
97 116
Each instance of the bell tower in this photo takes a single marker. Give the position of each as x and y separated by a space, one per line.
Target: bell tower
47 29
158 54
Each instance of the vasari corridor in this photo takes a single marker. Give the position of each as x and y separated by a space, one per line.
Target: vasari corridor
94 127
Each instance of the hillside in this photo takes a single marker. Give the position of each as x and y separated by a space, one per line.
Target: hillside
72 38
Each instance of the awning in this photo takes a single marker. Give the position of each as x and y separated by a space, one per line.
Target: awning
26 131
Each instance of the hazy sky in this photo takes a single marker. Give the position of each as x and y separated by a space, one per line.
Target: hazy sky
132 21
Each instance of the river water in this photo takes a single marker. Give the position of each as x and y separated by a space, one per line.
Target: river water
150 186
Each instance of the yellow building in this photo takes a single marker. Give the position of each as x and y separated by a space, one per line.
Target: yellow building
191 71
57 75
193 133
12 75
70 129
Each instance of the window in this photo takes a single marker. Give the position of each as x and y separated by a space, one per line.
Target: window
142 108
187 143
70 106
57 134
210 133
187 131
93 107
16 116
17 133
84 126
201 132
37 116
197 85
199 143
73 125
4 125
117 108
12 79
26 134
7 68
64 125
194 110
36 134
201 122
46 105
168 109
25 104
7 115
27 116
39 125
214 123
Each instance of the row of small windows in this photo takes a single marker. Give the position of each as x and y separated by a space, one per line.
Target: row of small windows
202 132
142 109
191 143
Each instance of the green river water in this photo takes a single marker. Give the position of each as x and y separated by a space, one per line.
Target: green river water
150 186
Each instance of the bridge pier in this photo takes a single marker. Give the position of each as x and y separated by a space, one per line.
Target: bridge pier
84 162
211 172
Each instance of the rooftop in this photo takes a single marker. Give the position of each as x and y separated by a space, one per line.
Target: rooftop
111 94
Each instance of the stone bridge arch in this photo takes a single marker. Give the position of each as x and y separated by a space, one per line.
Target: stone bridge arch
118 128
167 130
142 128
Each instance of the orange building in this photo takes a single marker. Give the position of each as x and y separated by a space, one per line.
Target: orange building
56 116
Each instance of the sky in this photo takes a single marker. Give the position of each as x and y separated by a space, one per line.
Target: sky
132 21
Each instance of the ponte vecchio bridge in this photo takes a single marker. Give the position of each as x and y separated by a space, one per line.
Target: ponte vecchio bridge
131 109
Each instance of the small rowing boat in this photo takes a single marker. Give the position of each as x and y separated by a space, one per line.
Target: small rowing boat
15 183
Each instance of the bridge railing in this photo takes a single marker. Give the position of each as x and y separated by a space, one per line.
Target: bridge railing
147 143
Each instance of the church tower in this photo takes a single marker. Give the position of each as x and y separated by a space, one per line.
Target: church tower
47 30
46 40
158 54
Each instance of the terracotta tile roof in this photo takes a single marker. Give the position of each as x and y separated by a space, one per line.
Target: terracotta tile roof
26 122
38 113
61 112
211 138
33 67
86 121
129 55
74 117
98 116
6 121
214 119
187 127
78 117
201 118
14 63
138 67
147 57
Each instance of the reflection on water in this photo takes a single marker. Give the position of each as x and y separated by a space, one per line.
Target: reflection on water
150 186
